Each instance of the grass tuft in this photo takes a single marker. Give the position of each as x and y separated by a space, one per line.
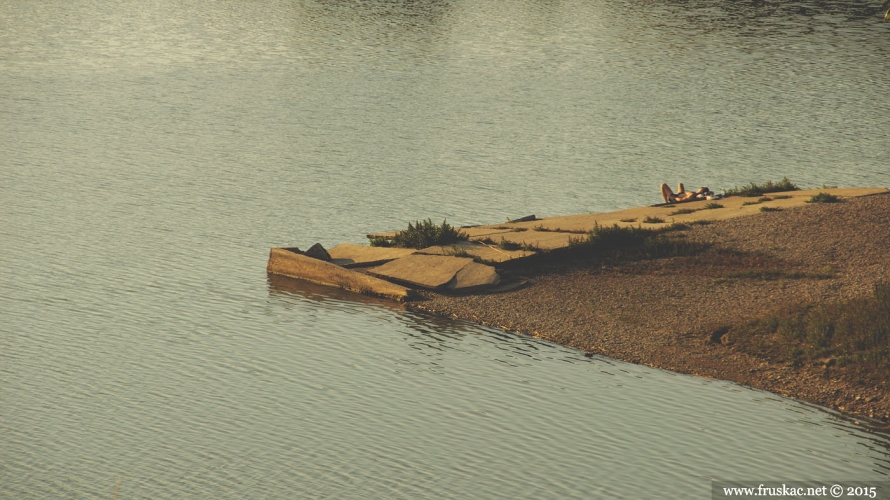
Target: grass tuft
713 205
770 209
683 211
652 220
459 252
824 198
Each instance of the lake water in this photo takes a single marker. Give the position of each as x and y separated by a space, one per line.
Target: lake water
152 151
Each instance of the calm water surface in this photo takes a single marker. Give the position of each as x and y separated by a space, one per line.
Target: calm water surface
152 152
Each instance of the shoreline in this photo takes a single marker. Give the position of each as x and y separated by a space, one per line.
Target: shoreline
669 313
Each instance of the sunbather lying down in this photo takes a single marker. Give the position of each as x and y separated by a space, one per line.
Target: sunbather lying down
682 194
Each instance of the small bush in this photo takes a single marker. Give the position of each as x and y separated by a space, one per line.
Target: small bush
824 198
761 189
770 209
628 220
422 234
652 220
782 197
713 205
379 241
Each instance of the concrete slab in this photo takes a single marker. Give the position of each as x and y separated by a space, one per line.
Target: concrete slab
434 268
474 276
288 263
348 255
488 253
732 207
427 271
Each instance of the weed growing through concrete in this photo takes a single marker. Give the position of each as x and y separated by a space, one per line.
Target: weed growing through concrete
683 211
758 201
824 198
713 205
770 209
652 220
458 252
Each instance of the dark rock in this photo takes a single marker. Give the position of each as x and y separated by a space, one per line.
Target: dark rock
317 251
527 218
717 335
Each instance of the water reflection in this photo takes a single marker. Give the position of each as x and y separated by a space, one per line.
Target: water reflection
428 333
433 335
321 294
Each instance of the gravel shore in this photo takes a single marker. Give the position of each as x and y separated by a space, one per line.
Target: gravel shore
663 312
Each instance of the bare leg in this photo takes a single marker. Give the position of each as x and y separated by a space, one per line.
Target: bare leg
666 193
681 188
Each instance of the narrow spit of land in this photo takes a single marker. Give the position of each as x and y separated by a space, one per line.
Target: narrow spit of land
671 313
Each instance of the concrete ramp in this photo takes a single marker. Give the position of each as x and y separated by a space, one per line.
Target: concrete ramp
288 263
427 271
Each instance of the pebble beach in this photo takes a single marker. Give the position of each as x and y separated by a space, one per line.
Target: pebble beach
663 313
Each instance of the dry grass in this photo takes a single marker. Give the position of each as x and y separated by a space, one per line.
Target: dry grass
853 335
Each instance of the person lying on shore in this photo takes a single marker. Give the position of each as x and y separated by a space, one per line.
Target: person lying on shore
682 194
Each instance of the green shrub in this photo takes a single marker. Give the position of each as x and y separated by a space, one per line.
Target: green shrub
761 189
422 234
